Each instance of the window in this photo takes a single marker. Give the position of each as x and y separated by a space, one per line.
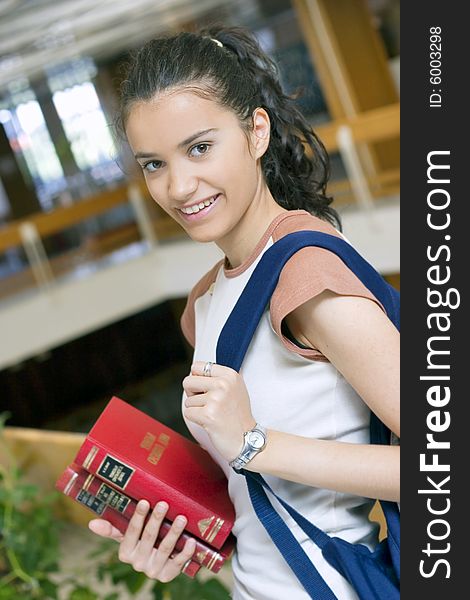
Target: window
26 129
79 108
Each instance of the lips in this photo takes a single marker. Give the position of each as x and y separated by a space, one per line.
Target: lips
195 208
197 212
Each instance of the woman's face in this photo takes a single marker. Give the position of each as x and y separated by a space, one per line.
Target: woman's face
196 162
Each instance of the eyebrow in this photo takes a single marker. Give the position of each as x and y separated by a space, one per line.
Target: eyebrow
182 144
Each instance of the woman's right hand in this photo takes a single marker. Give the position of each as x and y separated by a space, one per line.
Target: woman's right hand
136 546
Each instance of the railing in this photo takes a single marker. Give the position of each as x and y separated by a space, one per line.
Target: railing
30 233
372 126
346 136
62 218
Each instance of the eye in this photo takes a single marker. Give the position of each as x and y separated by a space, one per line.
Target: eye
152 166
199 150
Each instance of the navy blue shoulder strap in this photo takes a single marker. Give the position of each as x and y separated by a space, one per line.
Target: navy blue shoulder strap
232 345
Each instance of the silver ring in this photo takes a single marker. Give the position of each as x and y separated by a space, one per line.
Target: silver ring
207 369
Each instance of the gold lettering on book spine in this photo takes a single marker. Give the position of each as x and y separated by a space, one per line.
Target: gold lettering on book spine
215 558
215 530
209 527
69 485
204 525
88 481
90 456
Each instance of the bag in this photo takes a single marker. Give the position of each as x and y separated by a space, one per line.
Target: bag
373 575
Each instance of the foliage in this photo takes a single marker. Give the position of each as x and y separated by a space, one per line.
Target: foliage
30 552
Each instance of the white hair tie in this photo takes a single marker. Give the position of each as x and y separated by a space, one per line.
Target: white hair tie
217 42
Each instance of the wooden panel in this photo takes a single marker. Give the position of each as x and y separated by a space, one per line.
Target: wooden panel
64 217
61 218
359 51
386 184
352 66
319 60
9 237
374 125
42 456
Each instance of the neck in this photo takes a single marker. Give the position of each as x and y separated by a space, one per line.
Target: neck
240 242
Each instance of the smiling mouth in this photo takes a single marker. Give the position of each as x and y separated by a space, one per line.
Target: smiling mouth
195 208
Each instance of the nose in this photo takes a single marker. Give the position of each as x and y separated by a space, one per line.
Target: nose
182 183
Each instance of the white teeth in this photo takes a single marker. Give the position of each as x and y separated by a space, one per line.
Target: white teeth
197 207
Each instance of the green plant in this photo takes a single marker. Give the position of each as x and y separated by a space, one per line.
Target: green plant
28 539
30 552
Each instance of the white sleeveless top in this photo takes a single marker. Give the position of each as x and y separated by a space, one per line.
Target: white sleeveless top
295 394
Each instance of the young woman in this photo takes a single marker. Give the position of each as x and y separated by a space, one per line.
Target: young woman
223 151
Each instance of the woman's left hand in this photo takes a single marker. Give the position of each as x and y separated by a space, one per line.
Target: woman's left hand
220 404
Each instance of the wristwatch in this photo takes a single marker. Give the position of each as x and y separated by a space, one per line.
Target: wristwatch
254 442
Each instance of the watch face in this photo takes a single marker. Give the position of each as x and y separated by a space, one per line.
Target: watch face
256 439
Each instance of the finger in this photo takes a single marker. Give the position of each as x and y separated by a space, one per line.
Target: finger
105 529
168 543
196 400
196 415
150 532
134 530
167 567
197 384
165 563
180 559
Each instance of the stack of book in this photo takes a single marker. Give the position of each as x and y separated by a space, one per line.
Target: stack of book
128 456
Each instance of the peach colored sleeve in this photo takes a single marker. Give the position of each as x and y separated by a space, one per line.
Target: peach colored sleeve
307 274
187 321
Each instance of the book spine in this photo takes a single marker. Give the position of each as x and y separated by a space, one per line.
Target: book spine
117 508
125 476
191 568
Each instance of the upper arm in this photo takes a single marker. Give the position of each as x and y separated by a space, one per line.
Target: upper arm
359 339
306 275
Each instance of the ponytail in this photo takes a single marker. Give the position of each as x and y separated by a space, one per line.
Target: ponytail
227 64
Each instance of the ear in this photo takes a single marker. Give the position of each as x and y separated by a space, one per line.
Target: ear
261 132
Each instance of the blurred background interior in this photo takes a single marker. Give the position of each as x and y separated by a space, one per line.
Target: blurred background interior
93 275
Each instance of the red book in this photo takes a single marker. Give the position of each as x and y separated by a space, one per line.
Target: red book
117 508
139 455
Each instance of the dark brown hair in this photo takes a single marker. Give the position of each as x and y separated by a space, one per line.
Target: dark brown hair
240 76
